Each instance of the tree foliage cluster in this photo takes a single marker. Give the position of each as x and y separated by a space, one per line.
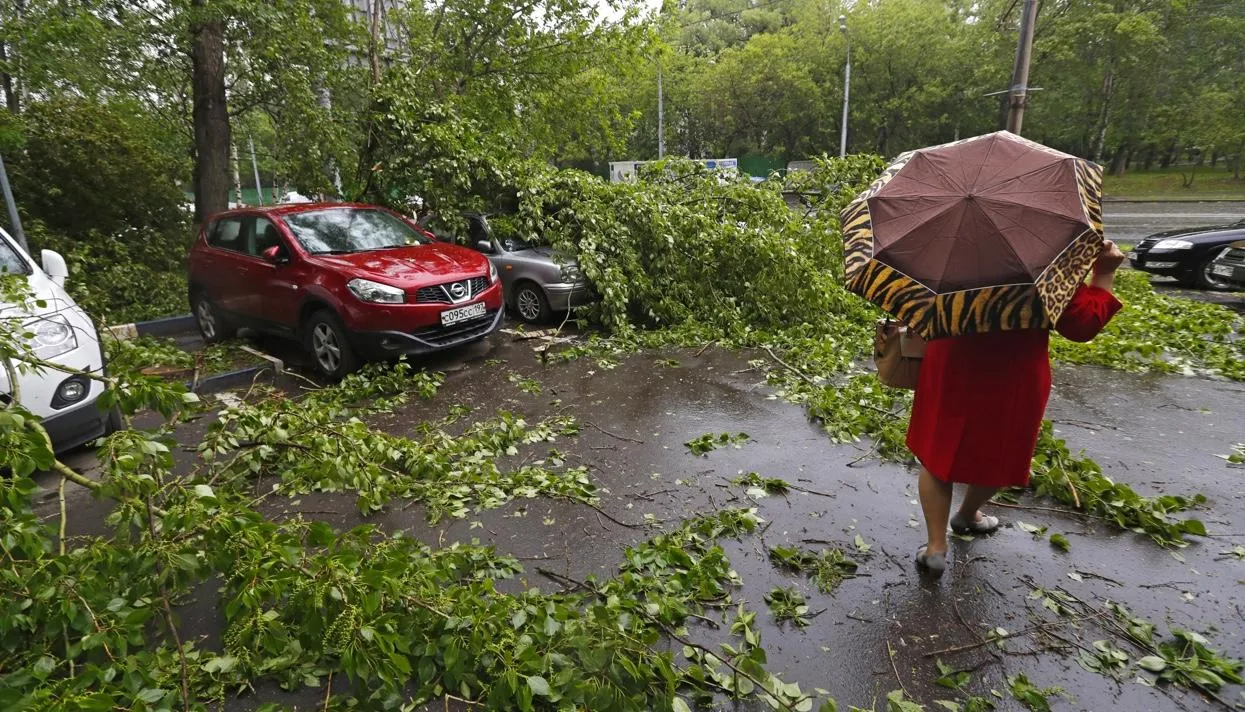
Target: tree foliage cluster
1133 82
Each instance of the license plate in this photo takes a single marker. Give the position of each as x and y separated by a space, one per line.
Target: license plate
471 311
1222 270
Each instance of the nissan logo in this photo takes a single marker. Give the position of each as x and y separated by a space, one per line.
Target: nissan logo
458 290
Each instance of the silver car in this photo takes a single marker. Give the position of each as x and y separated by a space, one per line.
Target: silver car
535 283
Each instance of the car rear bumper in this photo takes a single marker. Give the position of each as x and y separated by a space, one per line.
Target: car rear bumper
564 297
375 345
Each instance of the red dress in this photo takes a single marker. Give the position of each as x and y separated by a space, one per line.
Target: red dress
980 399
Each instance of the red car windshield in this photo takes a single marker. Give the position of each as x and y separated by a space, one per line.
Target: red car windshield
337 231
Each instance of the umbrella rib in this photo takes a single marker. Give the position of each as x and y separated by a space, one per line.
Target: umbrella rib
1026 174
934 166
1024 227
982 165
1008 245
942 209
1036 209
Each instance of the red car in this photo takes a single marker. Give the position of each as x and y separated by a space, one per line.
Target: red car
350 281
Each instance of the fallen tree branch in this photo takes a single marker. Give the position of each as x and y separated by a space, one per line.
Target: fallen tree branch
613 435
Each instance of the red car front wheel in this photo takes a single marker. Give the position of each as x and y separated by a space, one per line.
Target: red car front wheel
328 346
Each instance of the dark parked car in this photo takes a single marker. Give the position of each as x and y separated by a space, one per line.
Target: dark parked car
536 282
1230 265
1187 255
349 281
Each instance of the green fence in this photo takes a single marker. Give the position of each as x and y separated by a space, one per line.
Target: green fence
760 165
249 196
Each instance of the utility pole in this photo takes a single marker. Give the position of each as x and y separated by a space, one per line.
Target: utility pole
15 221
1018 96
259 189
661 116
847 85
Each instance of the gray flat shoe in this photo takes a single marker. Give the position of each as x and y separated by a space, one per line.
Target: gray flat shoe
935 563
985 525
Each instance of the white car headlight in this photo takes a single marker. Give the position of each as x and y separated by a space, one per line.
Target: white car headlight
492 272
51 336
571 273
1172 245
370 291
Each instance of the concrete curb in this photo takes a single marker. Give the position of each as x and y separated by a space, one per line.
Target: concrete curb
222 381
167 326
278 366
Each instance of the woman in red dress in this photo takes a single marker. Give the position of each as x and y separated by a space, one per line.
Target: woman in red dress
979 405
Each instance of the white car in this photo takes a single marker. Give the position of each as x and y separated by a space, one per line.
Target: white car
62 334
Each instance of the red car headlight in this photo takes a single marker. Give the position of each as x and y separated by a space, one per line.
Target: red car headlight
369 291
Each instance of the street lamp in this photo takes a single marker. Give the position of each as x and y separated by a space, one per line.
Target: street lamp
847 85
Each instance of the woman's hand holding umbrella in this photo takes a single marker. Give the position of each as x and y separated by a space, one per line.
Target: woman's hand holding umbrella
1109 260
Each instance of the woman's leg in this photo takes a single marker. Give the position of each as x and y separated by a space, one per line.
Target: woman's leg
974 497
936 504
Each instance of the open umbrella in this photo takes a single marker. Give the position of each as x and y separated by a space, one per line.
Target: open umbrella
989 233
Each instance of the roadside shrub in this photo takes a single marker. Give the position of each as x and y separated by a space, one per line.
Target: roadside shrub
134 275
97 182
90 167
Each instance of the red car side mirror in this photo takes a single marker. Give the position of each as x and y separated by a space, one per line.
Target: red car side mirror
275 255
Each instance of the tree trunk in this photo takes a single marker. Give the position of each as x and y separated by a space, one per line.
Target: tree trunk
12 80
374 46
11 99
1148 162
1171 155
1104 117
1120 161
211 116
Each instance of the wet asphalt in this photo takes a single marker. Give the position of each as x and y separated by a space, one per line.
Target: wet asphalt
1160 434
1129 222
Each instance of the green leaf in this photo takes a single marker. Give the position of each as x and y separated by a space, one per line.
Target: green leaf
1194 526
1059 541
1030 529
224 663
897 702
538 685
679 705
1153 663
152 695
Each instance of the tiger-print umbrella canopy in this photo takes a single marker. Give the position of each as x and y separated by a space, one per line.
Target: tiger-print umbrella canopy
989 233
